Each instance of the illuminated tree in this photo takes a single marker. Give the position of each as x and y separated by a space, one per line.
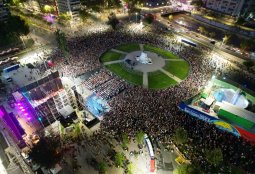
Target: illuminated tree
201 29
65 16
119 159
139 137
48 9
130 168
171 17
226 39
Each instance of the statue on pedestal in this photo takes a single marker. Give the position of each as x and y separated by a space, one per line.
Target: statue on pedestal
143 58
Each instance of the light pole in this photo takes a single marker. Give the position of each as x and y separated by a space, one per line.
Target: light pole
136 17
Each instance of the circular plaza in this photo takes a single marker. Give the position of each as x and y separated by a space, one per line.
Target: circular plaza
146 65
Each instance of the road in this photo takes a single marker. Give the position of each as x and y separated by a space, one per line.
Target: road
199 39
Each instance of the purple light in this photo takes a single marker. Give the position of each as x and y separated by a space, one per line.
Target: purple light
29 118
49 18
18 104
21 107
22 110
26 114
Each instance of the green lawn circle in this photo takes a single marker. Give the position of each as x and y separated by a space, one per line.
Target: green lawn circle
157 79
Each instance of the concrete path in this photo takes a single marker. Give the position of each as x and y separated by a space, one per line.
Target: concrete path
141 47
171 75
112 62
145 80
174 60
118 51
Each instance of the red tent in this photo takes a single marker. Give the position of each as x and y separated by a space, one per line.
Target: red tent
152 166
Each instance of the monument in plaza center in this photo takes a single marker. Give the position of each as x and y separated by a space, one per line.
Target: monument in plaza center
143 58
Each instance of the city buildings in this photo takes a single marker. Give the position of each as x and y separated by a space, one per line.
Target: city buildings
3 11
230 7
71 7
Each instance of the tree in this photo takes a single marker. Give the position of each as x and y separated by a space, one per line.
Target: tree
62 42
249 64
198 3
171 17
214 156
83 14
149 18
15 3
76 131
12 30
46 152
48 9
102 167
187 169
125 140
113 21
201 29
212 34
139 137
246 45
119 159
17 25
226 39
65 16
240 21
180 136
130 168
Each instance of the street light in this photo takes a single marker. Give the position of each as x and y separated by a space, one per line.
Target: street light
136 17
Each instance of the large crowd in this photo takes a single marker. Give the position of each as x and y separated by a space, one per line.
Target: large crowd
157 112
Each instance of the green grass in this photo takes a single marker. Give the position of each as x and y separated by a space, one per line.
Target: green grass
159 80
110 56
128 47
163 53
131 76
179 68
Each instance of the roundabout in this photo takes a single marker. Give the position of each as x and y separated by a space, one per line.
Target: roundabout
146 65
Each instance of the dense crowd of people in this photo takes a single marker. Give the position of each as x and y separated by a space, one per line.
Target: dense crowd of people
157 112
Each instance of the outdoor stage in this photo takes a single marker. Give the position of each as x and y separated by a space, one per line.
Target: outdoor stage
96 105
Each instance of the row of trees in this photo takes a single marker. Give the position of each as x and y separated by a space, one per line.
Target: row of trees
11 30
245 44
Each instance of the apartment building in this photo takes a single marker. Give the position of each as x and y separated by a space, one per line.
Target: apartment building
71 7
230 7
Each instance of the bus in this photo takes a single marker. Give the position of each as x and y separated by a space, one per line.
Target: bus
186 41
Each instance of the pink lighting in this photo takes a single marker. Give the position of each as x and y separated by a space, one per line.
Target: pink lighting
18 104
21 107
49 18
29 118
22 110
26 114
